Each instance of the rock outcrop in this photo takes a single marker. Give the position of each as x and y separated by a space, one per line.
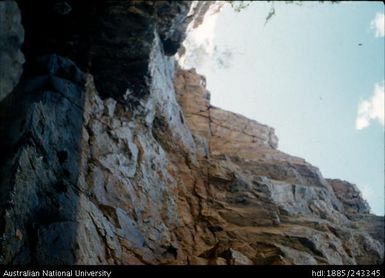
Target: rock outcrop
112 154
350 197
11 38
272 207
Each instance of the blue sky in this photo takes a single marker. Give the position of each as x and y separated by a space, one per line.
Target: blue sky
314 72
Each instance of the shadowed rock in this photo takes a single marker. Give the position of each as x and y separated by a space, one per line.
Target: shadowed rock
11 39
40 164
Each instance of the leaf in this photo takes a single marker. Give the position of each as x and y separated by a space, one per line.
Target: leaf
270 15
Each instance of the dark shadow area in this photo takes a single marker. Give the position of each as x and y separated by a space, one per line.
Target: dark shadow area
112 40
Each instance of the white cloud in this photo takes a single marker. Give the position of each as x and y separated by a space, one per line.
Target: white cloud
378 24
199 43
372 109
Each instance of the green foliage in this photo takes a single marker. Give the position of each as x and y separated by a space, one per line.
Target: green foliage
239 5
270 14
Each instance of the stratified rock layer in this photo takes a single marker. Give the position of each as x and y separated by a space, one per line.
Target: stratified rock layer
124 160
272 207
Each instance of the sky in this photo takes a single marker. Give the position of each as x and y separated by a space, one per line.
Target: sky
314 72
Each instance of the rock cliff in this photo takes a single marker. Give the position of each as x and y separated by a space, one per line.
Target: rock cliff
112 154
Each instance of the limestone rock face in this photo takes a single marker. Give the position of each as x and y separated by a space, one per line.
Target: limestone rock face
350 196
112 154
276 208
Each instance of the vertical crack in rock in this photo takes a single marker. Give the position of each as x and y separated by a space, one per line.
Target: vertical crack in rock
259 195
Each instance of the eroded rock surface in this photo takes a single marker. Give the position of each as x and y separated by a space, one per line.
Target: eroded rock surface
276 208
112 154
350 196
